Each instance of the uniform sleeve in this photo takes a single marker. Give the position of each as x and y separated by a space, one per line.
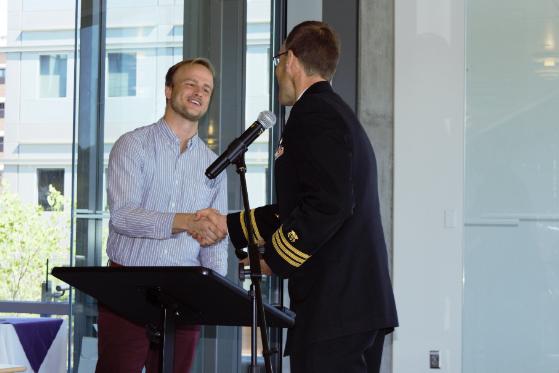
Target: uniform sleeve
322 152
264 221
215 256
125 181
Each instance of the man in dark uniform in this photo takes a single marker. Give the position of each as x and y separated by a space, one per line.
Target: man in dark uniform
325 233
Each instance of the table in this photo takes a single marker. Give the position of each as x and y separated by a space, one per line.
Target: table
4 368
38 344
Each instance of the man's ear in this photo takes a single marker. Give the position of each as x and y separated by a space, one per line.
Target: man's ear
168 91
291 61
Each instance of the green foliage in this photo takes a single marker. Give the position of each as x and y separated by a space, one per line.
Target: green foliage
28 237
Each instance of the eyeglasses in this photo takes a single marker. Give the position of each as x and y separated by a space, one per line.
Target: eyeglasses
276 58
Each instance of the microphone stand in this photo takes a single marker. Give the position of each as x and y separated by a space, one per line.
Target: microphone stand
256 277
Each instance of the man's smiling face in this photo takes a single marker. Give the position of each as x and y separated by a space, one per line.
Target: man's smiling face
191 91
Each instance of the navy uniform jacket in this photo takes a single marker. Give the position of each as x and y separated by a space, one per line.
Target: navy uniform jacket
325 233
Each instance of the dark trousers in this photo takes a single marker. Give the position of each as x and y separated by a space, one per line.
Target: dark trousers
125 348
356 353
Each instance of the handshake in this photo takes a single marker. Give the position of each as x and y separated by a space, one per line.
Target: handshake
207 226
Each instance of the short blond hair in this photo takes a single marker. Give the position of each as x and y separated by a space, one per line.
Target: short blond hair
192 61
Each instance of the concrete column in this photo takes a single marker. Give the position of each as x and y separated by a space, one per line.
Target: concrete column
375 107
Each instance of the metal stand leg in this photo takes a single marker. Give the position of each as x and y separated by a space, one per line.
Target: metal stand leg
258 315
168 343
253 368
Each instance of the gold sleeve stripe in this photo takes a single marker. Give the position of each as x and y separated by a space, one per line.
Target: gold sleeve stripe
280 253
243 226
282 247
255 227
290 247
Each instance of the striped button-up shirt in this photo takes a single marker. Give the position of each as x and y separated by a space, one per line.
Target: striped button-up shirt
148 181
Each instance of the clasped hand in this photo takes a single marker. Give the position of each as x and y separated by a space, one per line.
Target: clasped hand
208 227
213 228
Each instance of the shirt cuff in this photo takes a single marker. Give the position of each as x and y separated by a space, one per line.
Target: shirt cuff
163 227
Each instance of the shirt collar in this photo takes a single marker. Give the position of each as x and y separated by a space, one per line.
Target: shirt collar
171 138
302 93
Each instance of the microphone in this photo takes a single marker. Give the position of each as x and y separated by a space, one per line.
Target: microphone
266 119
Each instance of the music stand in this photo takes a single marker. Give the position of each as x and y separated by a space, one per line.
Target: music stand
169 296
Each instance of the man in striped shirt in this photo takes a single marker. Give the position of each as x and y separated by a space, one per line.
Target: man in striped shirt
156 184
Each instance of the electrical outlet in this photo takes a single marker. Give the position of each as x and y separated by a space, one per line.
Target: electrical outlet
434 359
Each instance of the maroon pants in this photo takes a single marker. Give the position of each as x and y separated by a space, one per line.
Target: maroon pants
125 348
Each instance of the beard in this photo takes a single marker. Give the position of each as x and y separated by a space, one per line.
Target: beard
183 111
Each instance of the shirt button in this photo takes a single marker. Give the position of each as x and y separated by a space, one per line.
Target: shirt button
176 182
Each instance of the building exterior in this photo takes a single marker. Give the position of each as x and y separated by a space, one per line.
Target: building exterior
39 90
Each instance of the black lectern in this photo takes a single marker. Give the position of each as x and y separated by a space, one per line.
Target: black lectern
168 296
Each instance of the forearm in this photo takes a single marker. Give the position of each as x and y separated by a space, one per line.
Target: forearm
141 223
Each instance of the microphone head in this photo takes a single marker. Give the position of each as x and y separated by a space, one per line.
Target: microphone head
267 119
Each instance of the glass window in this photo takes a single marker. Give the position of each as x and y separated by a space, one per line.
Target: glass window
46 180
52 81
38 137
2 109
122 74
257 99
511 252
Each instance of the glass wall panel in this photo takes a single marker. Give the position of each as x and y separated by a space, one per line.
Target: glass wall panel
128 79
49 99
126 48
511 258
36 134
257 92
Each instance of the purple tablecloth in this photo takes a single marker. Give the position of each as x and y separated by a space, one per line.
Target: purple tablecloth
36 336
